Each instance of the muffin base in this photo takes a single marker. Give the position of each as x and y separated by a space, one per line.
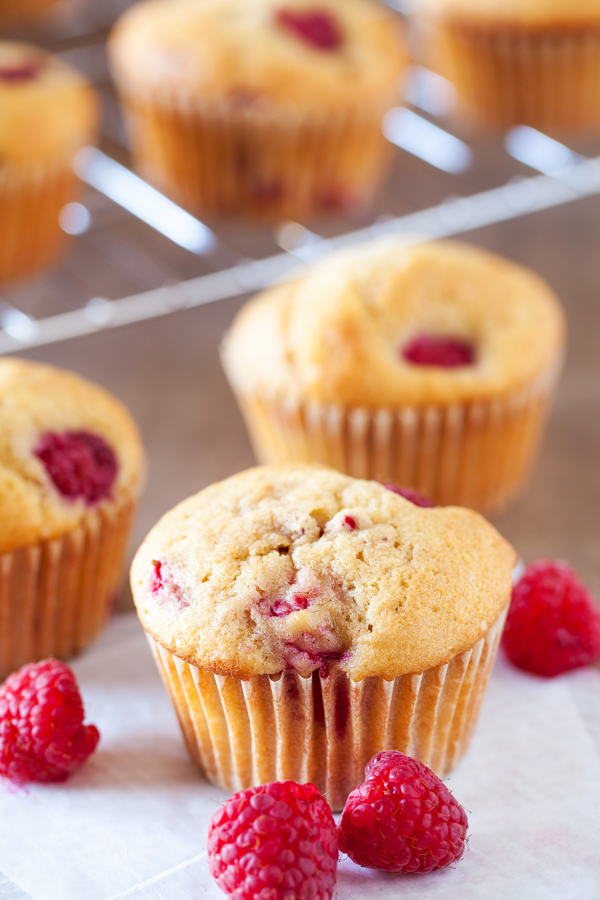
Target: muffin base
245 158
325 728
545 77
55 596
475 454
30 202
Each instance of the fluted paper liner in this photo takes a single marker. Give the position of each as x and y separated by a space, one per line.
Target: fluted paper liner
547 77
55 596
325 729
476 454
31 199
245 157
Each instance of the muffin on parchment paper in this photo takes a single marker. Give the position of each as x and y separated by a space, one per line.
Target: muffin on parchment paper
260 107
303 620
429 366
519 62
71 467
48 111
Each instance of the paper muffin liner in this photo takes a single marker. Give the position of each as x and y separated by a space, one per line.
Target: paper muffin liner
246 157
55 596
545 77
31 199
476 454
325 728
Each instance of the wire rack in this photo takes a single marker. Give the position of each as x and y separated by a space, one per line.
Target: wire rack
135 255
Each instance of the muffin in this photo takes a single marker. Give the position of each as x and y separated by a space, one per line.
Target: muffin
48 111
259 107
70 474
529 62
13 11
304 620
429 366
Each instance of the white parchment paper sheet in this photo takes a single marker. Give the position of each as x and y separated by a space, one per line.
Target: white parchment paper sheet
132 822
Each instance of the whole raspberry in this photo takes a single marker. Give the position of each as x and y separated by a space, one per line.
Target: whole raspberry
81 464
316 27
42 735
411 494
446 352
553 623
402 819
274 842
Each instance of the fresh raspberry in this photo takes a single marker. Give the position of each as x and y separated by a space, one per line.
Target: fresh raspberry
274 842
402 819
553 623
412 495
42 735
315 27
81 464
446 352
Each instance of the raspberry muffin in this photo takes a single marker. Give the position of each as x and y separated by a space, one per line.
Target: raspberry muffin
429 366
532 62
71 463
48 111
304 620
19 11
260 107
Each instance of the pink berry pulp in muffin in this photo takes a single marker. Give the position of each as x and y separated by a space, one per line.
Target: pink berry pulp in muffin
316 27
445 352
81 464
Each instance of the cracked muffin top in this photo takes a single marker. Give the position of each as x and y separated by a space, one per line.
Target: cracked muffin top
315 54
298 567
48 110
66 447
392 323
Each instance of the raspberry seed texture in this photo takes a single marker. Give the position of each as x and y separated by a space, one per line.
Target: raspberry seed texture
402 819
553 622
42 735
274 842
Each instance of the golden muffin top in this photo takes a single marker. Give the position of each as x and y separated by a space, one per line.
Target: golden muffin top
388 323
67 447
299 567
311 54
553 13
48 110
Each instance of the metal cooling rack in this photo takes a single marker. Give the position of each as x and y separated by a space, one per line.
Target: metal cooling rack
135 255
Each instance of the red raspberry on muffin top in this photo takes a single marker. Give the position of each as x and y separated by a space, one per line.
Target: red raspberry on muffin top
553 622
315 27
274 842
402 819
81 464
435 350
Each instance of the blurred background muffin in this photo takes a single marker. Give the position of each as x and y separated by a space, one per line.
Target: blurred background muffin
427 366
529 62
261 107
48 111
21 11
71 469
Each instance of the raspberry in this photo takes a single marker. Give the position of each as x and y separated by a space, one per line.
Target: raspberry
447 352
274 842
412 495
42 735
402 819
312 26
553 623
81 464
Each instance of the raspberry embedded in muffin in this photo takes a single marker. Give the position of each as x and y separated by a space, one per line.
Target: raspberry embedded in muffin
434 350
81 464
315 27
411 494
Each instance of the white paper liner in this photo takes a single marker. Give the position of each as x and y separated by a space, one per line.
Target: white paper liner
55 596
254 159
545 77
477 454
31 198
325 729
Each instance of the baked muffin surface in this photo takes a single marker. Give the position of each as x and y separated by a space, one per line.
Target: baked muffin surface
243 51
338 334
47 109
557 12
295 567
38 401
